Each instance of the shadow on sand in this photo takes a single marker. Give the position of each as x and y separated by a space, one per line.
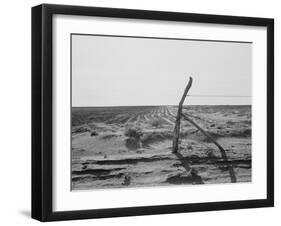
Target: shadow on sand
191 178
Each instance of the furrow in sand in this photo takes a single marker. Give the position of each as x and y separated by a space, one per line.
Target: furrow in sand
115 119
169 112
149 117
145 118
121 119
138 120
168 120
159 114
170 115
132 119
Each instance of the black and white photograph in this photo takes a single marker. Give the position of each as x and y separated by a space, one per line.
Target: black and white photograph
142 111
154 111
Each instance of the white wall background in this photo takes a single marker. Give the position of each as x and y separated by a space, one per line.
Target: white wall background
15 113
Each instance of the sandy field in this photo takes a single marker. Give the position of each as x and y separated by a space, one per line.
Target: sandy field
119 147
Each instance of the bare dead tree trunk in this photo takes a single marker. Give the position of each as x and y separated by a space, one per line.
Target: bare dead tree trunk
176 134
223 153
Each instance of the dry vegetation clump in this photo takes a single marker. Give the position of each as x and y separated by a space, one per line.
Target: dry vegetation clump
156 123
156 136
133 132
81 129
85 129
108 136
94 133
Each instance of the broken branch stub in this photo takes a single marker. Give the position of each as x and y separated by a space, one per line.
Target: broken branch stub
178 118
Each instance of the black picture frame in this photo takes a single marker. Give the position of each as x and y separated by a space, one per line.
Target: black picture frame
42 107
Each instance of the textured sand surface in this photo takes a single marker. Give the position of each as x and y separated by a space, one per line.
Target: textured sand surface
115 147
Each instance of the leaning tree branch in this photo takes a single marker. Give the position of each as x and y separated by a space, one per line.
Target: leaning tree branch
176 134
223 152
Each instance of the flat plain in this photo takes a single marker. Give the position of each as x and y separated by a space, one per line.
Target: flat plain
115 147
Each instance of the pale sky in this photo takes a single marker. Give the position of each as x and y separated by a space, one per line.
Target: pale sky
124 71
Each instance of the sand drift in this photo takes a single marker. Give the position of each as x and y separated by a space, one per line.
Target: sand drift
115 147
